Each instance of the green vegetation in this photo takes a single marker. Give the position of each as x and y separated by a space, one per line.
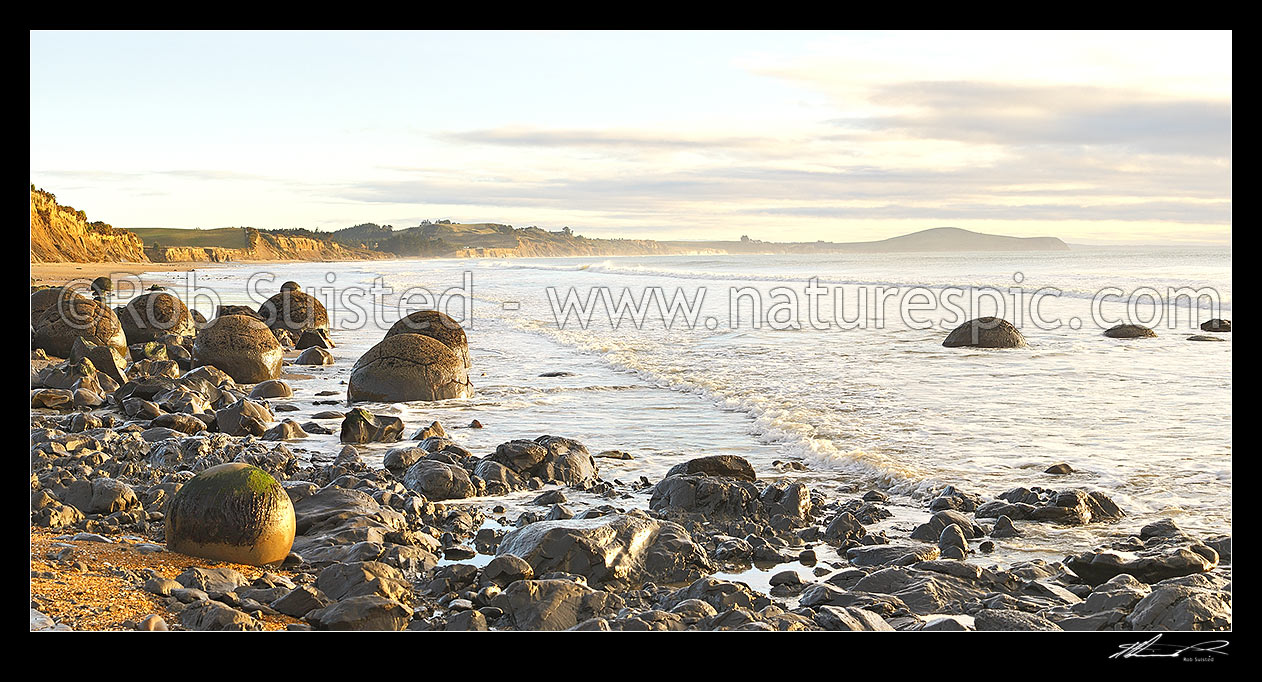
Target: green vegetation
223 237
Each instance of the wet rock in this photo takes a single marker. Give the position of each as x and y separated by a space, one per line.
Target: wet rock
314 356
294 311
953 499
1013 511
1061 469
1078 507
952 543
619 549
367 612
437 326
438 480
1004 529
553 604
342 581
272 388
1107 606
712 497
467 621
552 459
1180 607
398 460
891 554
926 591
1150 566
313 338
286 430
1216 325
721 595
434 430
240 346
844 528
726 466
932 530
243 417
854 619
985 332
408 367
1129 331
506 569
361 426
1008 619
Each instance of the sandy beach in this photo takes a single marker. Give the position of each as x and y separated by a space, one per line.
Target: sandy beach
58 274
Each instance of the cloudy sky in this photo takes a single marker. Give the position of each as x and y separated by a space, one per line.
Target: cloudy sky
1093 137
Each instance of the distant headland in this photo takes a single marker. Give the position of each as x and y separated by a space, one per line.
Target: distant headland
61 233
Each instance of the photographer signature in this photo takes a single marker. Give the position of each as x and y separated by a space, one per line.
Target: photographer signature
1151 649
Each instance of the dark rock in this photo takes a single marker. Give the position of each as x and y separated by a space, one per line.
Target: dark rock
553 604
620 549
241 346
932 530
212 615
409 367
1129 331
726 466
361 426
985 332
367 612
438 480
1008 619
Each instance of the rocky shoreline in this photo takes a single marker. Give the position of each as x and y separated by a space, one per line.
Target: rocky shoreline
426 541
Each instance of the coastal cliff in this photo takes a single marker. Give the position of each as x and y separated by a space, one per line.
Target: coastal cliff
63 234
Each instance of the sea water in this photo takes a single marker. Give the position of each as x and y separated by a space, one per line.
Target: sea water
856 387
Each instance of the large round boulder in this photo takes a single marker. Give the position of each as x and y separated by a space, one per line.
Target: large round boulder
407 367
438 326
69 317
43 299
985 332
151 315
1216 325
242 347
295 311
1129 331
232 512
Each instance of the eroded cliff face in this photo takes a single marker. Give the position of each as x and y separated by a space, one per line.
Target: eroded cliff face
266 246
60 234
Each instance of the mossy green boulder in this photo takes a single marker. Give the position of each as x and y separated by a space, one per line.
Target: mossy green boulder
232 512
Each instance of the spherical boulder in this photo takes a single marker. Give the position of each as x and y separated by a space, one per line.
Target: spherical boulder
295 311
71 317
985 332
438 326
1129 331
242 347
155 314
407 367
48 297
102 285
232 512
